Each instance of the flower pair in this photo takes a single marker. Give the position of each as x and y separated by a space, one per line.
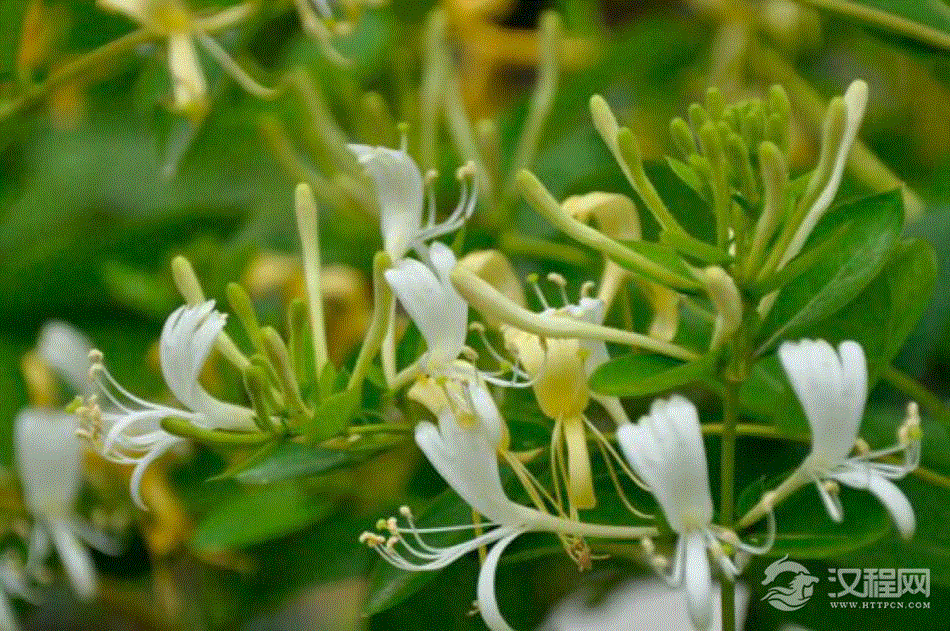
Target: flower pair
173 21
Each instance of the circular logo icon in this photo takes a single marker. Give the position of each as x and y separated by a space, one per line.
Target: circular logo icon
794 588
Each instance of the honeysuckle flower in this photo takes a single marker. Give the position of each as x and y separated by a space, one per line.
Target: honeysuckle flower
127 429
426 292
832 388
465 453
402 198
173 21
49 463
66 350
666 449
495 269
433 304
617 217
636 604
559 369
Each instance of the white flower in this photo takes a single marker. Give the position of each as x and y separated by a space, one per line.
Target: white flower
49 462
432 302
172 20
401 193
66 350
832 388
559 369
466 456
666 450
637 604
127 429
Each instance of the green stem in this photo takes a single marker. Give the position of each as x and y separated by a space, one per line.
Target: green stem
97 58
906 384
730 411
378 325
885 20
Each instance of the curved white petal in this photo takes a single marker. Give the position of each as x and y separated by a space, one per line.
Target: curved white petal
487 603
698 581
188 79
666 449
896 504
832 390
75 559
49 460
186 341
893 499
487 412
65 349
466 459
433 304
400 190
141 466
854 378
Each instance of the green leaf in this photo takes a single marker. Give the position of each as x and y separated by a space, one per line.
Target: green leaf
332 415
804 530
389 585
663 255
927 22
292 460
885 313
639 375
767 395
252 516
873 227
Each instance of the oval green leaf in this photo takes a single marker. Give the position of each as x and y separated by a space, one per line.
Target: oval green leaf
873 228
640 375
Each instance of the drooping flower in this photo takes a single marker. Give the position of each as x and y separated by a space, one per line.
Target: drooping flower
49 462
832 388
666 449
617 217
426 293
402 198
559 369
127 429
465 453
173 21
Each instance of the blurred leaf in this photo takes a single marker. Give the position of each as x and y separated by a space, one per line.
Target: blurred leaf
883 315
767 394
254 515
874 225
640 375
804 529
932 14
292 460
11 15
